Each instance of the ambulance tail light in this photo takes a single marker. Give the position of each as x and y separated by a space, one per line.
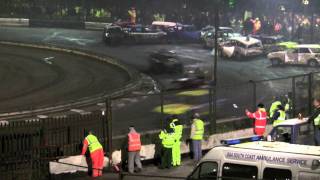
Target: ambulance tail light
241 140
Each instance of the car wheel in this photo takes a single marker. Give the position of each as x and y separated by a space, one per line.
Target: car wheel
313 63
275 62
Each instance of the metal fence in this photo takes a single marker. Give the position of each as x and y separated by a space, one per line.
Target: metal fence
27 146
150 112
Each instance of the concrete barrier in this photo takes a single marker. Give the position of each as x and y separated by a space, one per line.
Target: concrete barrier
24 22
17 22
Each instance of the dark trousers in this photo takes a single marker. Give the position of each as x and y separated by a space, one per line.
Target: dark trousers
317 135
166 158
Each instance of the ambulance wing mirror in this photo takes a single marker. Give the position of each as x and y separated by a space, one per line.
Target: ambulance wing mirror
315 164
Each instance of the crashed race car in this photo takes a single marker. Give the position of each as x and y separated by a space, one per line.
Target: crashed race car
224 33
240 47
165 61
136 34
302 54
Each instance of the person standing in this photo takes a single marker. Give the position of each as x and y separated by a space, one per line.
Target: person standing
134 147
176 151
197 131
315 117
96 153
167 144
260 117
274 106
279 116
288 105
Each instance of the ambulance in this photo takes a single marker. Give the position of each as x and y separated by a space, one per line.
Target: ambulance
259 159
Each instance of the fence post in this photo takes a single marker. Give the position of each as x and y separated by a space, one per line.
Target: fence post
109 127
213 109
310 85
293 83
104 120
254 94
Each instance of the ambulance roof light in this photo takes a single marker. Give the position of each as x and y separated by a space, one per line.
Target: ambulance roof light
241 140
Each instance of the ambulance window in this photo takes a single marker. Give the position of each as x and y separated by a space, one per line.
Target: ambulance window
274 174
206 170
236 171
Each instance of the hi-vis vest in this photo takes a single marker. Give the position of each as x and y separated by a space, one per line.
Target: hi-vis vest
273 108
168 139
280 119
134 143
93 143
199 125
317 121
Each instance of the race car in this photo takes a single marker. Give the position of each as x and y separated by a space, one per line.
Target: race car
136 34
302 54
224 33
113 35
239 47
165 61
144 34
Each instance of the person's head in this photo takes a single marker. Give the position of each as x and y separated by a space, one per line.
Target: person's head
260 105
174 116
196 116
131 127
316 102
87 132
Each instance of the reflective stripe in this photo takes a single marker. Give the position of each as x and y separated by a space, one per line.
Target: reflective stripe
260 127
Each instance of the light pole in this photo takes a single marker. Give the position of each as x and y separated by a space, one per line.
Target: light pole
213 89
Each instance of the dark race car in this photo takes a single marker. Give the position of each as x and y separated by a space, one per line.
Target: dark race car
164 61
113 35
133 34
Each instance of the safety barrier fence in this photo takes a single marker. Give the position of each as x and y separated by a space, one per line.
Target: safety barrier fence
29 144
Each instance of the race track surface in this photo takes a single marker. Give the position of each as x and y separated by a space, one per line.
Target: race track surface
31 78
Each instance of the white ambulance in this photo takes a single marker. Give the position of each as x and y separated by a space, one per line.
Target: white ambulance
259 160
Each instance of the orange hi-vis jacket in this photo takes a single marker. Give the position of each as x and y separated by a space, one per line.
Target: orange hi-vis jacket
260 123
134 143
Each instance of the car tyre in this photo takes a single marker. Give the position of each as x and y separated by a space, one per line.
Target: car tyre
313 63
